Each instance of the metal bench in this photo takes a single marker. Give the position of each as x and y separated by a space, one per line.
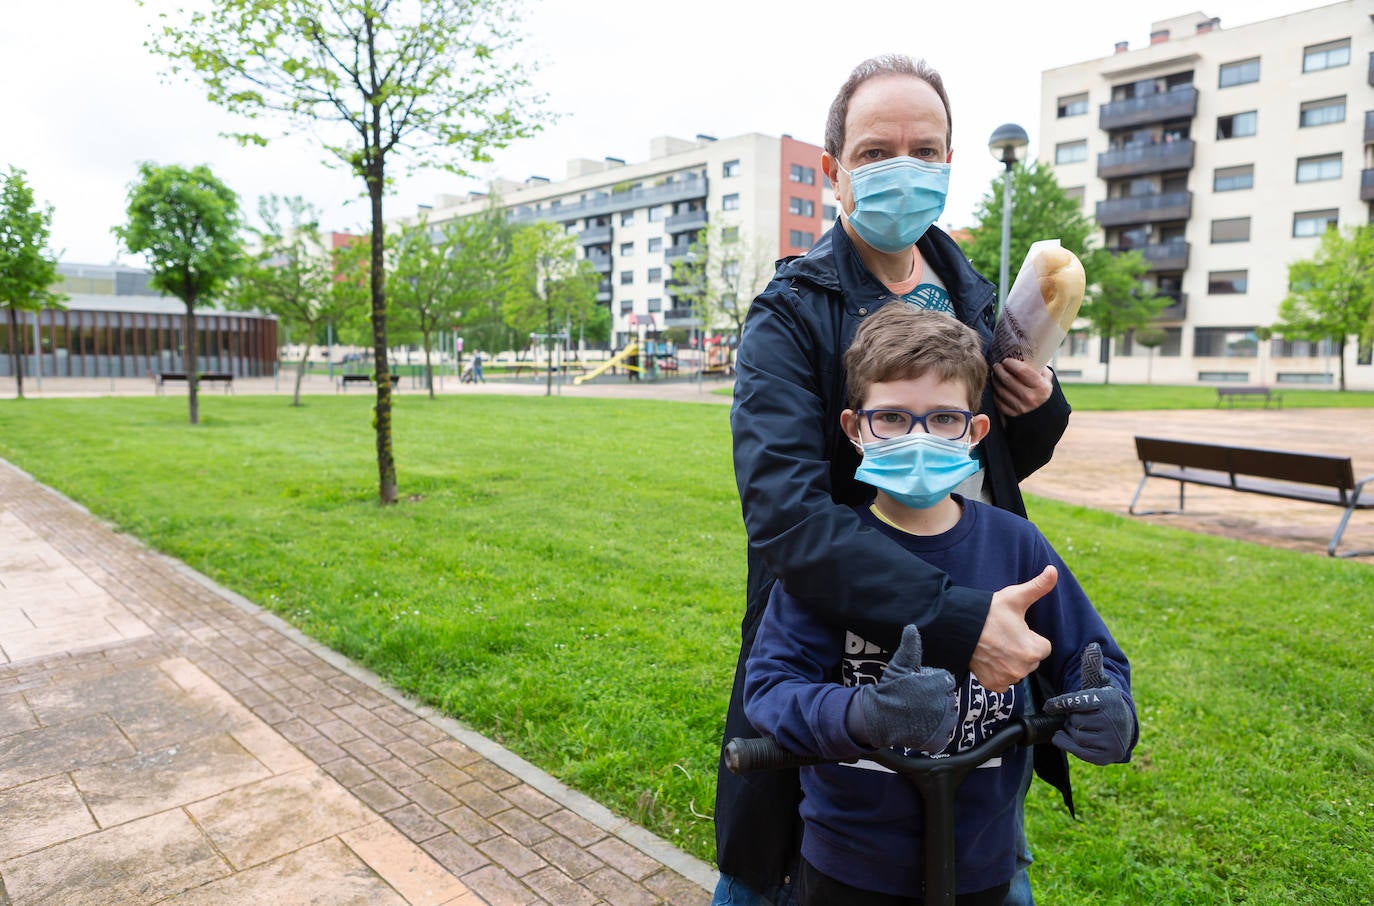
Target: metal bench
1231 394
346 379
1309 477
161 378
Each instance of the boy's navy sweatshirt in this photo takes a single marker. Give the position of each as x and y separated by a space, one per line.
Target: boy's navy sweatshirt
863 824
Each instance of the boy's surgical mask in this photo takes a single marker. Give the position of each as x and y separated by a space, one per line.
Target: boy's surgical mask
917 470
896 200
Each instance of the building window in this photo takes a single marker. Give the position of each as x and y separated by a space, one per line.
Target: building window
800 239
1326 56
1071 152
730 168
627 278
627 218
1319 169
1237 125
1321 113
804 175
1233 179
655 305
729 234
1231 229
1075 194
1313 223
1073 105
1240 72
1227 283
655 275
627 248
656 244
829 212
1225 342
627 306
730 202
802 207
1173 342
656 214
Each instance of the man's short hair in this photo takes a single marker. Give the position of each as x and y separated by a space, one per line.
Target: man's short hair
888 64
901 341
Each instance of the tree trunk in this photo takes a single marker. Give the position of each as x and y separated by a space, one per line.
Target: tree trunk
386 463
300 370
17 338
188 361
429 367
1340 351
548 348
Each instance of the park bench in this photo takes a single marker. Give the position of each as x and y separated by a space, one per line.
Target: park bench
1309 477
161 378
346 379
1231 395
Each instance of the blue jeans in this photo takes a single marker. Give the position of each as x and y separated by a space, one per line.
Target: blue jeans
1020 892
732 892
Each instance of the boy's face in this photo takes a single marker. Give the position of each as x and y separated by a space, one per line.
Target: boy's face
921 395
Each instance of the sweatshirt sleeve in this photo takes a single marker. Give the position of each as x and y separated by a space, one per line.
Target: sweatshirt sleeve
820 550
790 689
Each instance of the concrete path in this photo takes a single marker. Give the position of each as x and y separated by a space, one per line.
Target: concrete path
163 740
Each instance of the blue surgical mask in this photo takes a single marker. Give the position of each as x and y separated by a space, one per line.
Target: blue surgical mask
917 470
896 200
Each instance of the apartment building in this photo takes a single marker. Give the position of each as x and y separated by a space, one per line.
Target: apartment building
633 220
1222 155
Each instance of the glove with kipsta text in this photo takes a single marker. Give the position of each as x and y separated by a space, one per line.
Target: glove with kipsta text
1101 726
910 706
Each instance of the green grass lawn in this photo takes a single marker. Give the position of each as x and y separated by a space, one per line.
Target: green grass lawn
567 577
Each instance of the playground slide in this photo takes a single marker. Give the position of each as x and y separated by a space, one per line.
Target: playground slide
618 359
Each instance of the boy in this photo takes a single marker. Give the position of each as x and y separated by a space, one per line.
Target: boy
817 688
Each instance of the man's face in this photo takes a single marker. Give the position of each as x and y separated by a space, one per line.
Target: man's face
889 116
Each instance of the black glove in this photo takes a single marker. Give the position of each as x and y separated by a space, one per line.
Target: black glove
909 707
1101 727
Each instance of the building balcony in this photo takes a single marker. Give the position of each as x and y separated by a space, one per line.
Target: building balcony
603 291
677 252
1367 185
1166 256
608 203
1177 310
1139 209
1179 103
689 221
600 263
1145 159
600 235
680 317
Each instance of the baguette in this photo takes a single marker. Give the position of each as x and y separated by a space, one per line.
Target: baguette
1062 283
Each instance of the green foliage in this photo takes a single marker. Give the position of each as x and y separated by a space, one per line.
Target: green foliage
548 288
592 625
719 276
186 223
1118 300
27 268
1331 295
1040 210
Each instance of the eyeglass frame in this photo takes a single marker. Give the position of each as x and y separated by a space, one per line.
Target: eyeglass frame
917 420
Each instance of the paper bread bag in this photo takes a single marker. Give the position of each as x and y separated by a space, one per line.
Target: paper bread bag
1041 305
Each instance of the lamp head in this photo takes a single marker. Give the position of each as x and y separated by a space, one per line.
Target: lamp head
1008 143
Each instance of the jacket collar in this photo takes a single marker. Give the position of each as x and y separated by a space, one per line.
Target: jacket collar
834 265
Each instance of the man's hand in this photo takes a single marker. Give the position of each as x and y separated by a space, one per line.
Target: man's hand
911 706
1019 388
1008 650
1100 728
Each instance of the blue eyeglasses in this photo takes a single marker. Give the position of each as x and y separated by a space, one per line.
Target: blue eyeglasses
950 424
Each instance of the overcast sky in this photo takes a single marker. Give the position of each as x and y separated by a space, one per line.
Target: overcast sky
87 102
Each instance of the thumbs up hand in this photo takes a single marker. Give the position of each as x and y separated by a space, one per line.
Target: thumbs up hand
1008 649
911 706
1101 727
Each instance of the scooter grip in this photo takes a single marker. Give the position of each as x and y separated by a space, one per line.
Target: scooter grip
761 754
1040 728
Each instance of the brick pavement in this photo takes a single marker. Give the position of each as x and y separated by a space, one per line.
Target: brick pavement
164 740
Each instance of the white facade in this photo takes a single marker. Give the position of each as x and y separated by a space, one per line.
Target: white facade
1221 154
634 219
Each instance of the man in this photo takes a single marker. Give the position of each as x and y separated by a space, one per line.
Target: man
887 155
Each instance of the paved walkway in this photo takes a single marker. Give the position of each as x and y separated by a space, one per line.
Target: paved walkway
163 740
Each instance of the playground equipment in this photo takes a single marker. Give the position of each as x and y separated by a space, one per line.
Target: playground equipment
621 358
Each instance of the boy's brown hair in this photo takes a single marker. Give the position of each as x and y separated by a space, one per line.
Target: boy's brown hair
901 341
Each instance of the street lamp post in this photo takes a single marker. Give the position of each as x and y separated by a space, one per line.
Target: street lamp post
1008 145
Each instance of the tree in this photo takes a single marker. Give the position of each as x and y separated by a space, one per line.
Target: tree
293 274
1151 338
1040 210
1118 301
435 275
27 268
719 276
546 285
381 78
186 223
1329 295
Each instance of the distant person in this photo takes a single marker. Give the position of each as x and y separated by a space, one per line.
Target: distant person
887 154
827 689
477 377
